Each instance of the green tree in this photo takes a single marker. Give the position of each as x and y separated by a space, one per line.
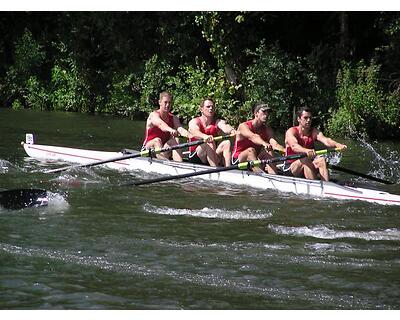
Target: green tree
21 83
283 82
363 105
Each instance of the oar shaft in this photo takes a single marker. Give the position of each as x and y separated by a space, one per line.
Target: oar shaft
242 166
360 174
183 145
182 176
144 153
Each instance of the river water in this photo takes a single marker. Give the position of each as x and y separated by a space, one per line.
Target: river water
186 244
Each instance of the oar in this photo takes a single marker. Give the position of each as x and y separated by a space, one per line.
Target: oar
242 166
355 173
144 153
22 198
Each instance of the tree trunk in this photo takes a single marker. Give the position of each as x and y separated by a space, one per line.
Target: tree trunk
343 50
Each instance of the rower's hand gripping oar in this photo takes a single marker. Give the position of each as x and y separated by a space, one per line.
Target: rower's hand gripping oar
242 166
145 153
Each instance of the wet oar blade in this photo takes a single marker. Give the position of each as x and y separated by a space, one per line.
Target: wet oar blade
22 198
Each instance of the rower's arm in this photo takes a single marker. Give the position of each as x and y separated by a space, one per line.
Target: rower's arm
329 142
275 144
194 130
155 120
178 126
292 142
225 128
253 137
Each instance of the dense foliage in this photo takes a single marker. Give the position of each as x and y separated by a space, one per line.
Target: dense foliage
344 65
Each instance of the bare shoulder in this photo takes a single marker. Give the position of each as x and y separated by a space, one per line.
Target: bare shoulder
152 119
193 122
153 114
316 132
290 131
243 125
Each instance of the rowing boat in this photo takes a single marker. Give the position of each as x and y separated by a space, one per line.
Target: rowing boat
299 186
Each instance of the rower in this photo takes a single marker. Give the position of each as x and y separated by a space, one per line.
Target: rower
301 139
255 140
163 129
206 127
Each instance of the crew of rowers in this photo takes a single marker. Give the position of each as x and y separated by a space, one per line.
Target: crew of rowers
253 139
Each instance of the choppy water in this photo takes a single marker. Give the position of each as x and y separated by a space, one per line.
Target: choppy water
186 245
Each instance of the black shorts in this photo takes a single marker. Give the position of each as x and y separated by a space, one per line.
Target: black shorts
194 158
234 160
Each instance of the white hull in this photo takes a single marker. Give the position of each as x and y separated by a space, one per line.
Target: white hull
312 188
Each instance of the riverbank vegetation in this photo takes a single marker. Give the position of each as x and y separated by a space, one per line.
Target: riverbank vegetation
344 65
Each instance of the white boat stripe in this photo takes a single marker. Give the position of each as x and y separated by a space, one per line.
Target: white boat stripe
73 155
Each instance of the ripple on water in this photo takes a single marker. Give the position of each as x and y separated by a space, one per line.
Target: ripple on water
324 232
210 213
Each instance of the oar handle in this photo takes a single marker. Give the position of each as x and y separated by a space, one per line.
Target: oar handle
325 151
151 152
257 163
223 137
318 152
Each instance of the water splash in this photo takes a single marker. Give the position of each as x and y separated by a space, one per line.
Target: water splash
323 232
386 166
57 202
210 213
4 166
80 177
9 167
334 157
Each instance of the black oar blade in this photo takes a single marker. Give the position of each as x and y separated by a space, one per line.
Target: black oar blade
22 198
360 174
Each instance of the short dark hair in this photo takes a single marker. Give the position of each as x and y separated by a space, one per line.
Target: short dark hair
261 105
303 109
165 94
205 99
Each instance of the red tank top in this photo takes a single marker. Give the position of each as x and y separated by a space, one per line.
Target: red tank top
156 132
211 130
241 145
304 141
